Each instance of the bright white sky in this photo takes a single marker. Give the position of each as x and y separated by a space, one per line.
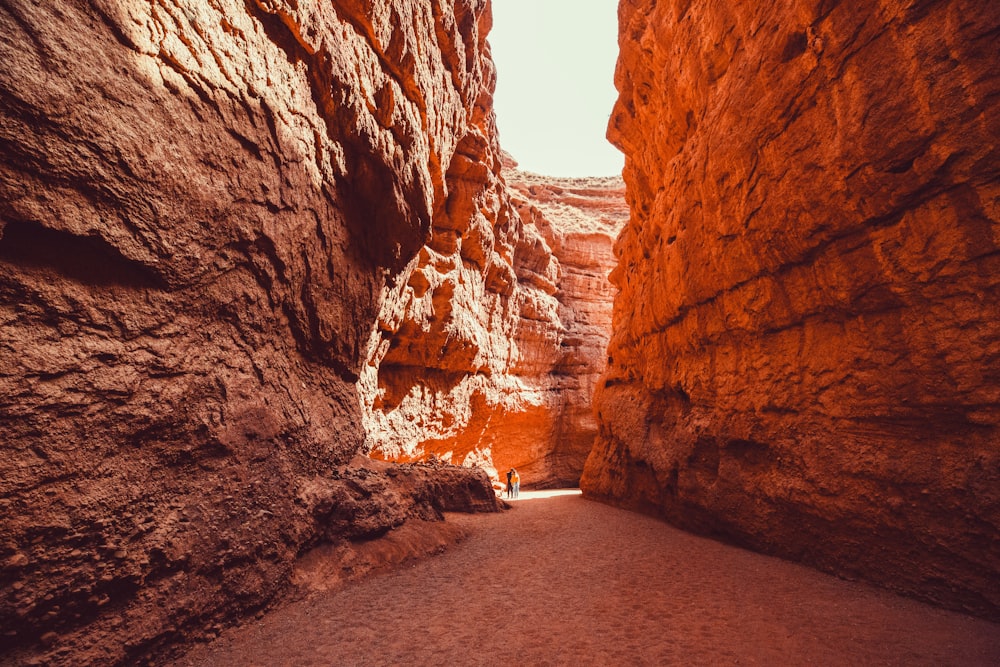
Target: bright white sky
555 84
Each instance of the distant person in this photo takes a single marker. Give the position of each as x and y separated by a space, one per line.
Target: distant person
517 482
510 488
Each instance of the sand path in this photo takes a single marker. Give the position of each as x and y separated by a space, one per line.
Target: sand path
560 580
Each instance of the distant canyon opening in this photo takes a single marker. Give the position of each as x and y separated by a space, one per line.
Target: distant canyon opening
488 352
245 245
488 348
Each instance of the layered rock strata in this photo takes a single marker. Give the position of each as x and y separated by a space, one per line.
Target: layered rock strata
489 356
579 219
200 206
807 332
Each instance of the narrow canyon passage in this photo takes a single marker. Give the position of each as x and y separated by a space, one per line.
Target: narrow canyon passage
560 580
265 263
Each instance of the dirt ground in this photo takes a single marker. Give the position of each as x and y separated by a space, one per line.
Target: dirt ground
559 580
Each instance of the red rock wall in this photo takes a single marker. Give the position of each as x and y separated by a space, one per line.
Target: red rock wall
200 206
489 348
806 345
578 218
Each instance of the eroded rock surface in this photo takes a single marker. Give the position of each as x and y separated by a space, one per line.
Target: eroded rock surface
579 218
200 206
489 355
806 346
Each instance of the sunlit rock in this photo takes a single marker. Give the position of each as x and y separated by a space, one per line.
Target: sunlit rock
489 357
807 337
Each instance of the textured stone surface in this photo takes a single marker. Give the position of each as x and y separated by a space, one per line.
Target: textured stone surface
806 346
200 205
489 349
579 218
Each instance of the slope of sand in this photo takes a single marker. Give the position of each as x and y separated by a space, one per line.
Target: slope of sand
559 580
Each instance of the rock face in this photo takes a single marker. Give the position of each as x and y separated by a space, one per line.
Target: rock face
579 219
806 346
489 348
200 207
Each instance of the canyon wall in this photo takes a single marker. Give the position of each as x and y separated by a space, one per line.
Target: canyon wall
806 348
201 207
579 219
488 350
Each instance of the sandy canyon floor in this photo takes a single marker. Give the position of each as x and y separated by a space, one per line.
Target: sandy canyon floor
559 580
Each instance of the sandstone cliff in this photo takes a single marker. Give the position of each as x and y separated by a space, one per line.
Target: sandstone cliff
578 218
489 348
201 204
806 346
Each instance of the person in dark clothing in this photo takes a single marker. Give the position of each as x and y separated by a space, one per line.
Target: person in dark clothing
510 488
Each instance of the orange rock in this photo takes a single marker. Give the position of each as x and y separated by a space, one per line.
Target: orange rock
202 206
579 219
807 335
492 362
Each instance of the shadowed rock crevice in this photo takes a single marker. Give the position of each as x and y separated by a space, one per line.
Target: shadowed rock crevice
87 260
376 196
